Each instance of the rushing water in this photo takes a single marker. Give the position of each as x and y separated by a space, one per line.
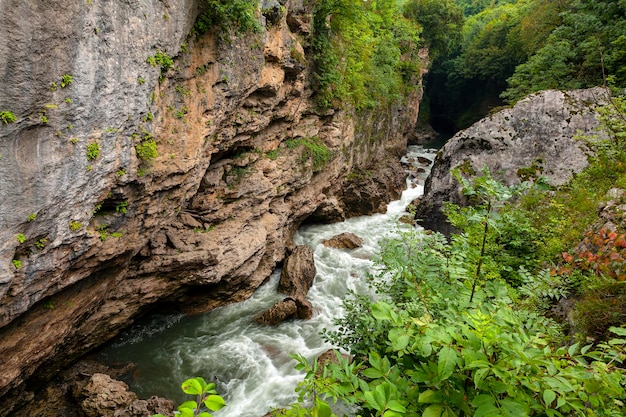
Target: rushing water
251 363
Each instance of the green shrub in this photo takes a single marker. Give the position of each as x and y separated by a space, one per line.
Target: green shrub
93 151
74 226
7 117
161 59
147 150
444 337
66 80
226 14
314 150
21 238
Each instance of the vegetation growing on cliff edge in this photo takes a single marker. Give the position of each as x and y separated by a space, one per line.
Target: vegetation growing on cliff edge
365 53
240 15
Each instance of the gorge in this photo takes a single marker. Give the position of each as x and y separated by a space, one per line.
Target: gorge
130 179
169 156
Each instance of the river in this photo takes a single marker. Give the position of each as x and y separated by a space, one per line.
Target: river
251 364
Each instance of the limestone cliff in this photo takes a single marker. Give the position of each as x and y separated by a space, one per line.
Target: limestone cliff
536 137
96 227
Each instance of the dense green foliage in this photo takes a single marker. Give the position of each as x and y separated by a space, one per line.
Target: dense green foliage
240 15
449 337
365 53
518 47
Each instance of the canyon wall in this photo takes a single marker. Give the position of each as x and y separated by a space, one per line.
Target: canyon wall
128 180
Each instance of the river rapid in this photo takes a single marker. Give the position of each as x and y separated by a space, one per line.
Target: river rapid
250 363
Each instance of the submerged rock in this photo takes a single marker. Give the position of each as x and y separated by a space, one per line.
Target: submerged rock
535 138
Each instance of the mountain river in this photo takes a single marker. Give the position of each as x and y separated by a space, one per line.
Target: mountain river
250 363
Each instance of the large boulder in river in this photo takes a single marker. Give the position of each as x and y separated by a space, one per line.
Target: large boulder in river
298 272
344 240
536 137
289 308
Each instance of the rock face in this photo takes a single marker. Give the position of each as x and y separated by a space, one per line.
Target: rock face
127 181
536 137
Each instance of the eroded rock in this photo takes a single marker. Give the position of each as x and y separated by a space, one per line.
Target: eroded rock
534 138
298 272
344 240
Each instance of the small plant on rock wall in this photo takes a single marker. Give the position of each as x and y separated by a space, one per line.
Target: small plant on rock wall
147 150
21 238
17 263
41 243
7 117
66 80
122 207
74 226
93 151
32 217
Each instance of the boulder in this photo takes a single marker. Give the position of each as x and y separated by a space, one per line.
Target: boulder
344 240
304 307
298 272
279 312
107 397
536 137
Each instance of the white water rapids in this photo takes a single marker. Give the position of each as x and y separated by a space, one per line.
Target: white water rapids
251 363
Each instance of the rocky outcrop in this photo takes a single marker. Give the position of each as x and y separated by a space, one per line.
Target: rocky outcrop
128 180
106 397
298 272
344 240
536 137
296 278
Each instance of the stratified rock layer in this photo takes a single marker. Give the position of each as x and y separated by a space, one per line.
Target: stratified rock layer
94 232
536 137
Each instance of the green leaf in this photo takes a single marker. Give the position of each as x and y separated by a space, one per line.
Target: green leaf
447 360
573 349
381 311
204 414
513 408
369 399
620 331
189 404
434 410
186 412
396 406
321 409
430 396
480 375
214 402
549 396
391 413
487 410
372 373
483 400
192 386
399 339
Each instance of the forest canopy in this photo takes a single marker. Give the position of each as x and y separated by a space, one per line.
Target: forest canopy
505 50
